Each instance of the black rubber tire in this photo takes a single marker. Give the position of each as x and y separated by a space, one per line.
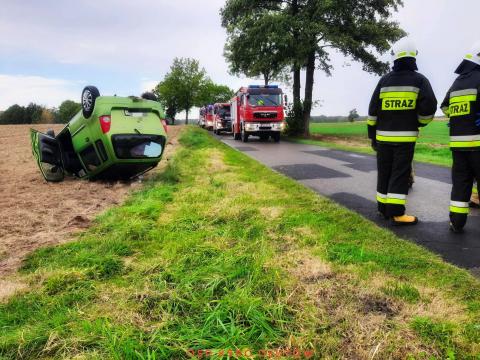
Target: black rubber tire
89 96
244 136
51 133
276 137
236 136
215 131
149 96
219 132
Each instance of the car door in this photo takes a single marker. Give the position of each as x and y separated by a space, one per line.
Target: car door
47 152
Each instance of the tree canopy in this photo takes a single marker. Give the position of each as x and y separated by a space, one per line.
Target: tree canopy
187 85
67 110
181 87
305 33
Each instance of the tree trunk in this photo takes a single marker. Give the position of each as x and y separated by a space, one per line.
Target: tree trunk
186 117
308 101
296 68
296 86
266 79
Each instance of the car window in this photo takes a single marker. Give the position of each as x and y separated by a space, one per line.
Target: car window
90 158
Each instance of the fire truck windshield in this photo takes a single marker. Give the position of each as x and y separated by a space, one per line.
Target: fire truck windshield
224 112
265 100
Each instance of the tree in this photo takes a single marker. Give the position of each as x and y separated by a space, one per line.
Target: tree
46 117
181 87
15 114
267 35
359 29
33 113
212 93
353 115
67 110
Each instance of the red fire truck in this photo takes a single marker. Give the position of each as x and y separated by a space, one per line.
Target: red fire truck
258 111
222 118
201 117
209 115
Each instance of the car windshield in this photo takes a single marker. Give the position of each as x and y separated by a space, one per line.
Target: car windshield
265 100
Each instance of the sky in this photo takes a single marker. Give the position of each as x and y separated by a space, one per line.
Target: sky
49 50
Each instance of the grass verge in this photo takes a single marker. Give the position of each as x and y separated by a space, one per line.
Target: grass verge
221 253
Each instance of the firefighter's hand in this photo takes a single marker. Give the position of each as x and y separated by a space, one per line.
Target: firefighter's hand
374 145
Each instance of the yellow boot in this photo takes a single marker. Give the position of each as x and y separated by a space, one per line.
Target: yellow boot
405 220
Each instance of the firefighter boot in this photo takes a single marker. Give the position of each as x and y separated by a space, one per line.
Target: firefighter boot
404 220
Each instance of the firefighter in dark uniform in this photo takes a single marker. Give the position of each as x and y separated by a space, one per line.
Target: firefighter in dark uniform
402 103
462 106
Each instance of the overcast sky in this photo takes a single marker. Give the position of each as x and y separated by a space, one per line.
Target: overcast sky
50 49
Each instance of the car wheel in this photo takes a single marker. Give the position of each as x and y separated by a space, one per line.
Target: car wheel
149 96
264 137
276 137
89 96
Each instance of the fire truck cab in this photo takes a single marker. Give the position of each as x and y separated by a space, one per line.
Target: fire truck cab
209 115
201 117
259 111
222 118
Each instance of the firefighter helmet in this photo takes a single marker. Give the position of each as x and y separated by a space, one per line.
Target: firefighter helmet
405 47
474 54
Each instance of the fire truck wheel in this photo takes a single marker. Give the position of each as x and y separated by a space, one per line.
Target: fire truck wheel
276 137
244 136
236 136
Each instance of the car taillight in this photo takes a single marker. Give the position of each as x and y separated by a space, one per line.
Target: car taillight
165 126
105 122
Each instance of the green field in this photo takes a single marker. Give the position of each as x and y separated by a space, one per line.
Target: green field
432 146
219 252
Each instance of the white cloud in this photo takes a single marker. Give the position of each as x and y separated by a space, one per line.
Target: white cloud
22 90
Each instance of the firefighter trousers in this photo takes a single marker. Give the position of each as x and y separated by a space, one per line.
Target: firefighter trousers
466 168
394 163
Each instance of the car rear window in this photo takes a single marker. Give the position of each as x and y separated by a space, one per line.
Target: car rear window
134 146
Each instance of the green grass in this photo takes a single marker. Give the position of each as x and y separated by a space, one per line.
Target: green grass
219 252
432 146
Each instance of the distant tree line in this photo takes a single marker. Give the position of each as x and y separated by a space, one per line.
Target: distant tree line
38 114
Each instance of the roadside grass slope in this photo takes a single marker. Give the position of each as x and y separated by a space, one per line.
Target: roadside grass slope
432 146
219 252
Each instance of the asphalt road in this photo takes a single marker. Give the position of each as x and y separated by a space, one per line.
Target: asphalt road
350 180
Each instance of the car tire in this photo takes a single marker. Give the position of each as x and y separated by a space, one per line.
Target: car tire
89 96
149 96
276 137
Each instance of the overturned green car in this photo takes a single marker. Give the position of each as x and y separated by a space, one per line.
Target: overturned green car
111 138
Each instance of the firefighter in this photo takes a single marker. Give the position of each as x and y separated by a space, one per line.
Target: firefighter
462 106
402 102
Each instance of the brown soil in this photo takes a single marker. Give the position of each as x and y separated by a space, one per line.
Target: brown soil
34 213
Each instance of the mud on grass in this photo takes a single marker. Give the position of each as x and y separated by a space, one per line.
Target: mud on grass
219 252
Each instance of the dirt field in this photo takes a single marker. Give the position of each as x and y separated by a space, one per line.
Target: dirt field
34 213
